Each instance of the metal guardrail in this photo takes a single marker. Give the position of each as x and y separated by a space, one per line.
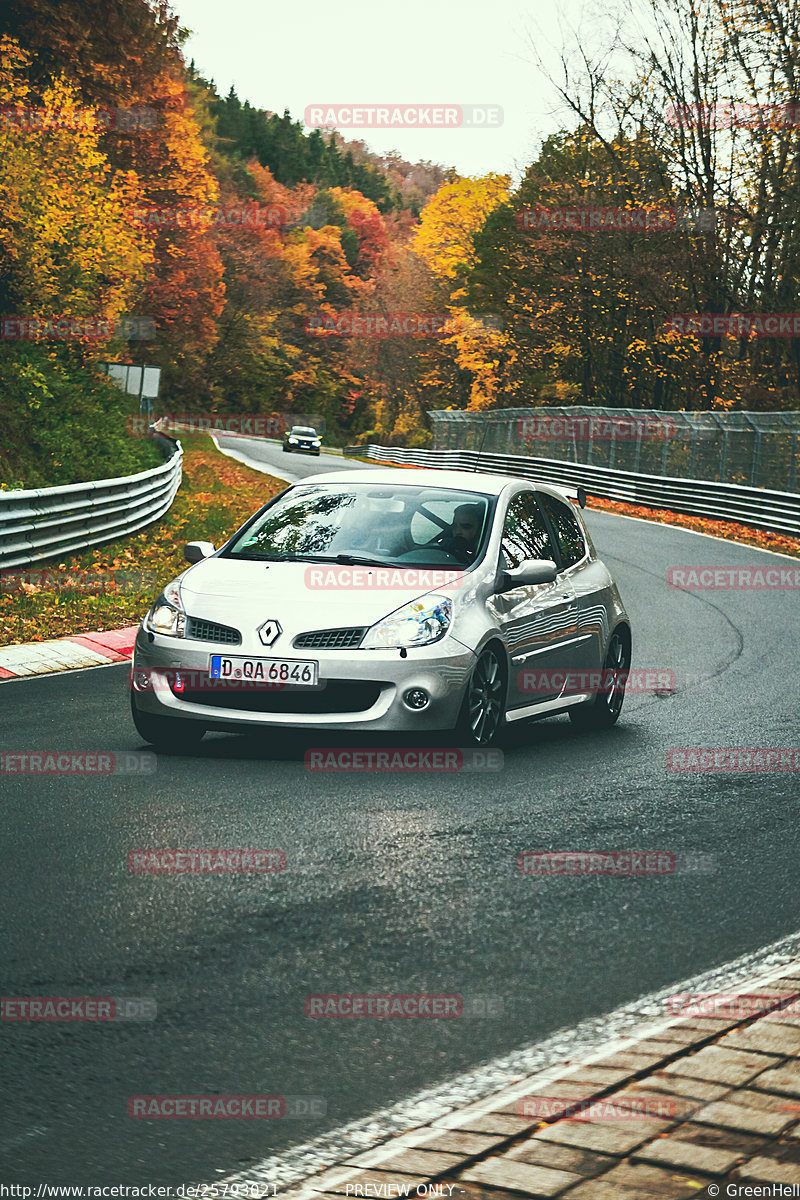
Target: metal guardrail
778 512
44 523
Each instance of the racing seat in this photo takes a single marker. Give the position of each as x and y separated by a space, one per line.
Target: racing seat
393 537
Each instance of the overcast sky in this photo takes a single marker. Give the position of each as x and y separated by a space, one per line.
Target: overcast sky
470 52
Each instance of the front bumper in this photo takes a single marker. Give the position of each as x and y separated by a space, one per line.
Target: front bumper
441 669
306 448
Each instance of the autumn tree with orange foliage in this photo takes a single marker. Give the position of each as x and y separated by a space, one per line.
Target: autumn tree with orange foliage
68 246
127 56
584 310
463 369
68 250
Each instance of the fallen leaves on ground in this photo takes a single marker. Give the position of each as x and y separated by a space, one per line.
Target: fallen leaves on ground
779 543
215 498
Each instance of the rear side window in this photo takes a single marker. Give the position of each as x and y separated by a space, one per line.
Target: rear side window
525 534
567 529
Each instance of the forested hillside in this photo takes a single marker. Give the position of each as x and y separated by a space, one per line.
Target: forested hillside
251 252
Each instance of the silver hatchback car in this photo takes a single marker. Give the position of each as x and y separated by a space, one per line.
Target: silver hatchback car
387 601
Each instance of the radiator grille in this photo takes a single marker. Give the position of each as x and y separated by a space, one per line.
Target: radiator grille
331 639
210 631
336 697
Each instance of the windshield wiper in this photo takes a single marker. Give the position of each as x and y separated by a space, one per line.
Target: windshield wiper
347 560
353 560
266 557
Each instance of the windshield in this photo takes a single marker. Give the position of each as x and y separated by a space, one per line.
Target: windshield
361 523
302 429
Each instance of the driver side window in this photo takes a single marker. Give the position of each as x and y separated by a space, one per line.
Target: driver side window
524 533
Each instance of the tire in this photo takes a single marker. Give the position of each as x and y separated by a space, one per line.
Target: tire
170 734
483 715
286 450
604 710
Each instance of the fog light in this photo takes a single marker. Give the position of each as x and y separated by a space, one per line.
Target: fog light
416 698
141 681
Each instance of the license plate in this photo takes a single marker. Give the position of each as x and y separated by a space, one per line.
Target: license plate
293 672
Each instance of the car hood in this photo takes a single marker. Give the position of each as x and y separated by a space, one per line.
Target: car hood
307 595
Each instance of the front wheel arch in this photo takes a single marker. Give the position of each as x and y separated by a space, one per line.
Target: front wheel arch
464 723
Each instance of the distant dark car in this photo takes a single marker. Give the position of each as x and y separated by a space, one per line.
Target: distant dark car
301 437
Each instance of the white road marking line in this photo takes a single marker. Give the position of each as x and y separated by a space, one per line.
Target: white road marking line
264 468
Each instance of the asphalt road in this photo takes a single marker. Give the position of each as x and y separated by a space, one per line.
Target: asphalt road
393 884
292 466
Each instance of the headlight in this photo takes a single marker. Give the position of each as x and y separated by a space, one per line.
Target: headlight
167 616
316 442
416 624
292 441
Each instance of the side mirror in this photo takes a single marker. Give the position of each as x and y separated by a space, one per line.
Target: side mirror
529 571
195 552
